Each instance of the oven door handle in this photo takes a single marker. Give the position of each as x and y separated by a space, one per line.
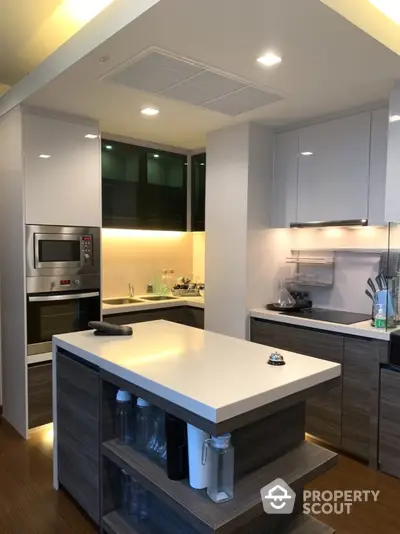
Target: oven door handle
75 296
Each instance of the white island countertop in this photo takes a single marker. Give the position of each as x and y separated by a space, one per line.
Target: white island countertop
214 376
363 329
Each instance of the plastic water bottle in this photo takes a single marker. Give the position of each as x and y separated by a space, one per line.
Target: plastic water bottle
125 417
143 424
221 464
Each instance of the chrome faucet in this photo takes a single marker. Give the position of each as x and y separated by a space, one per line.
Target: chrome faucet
131 290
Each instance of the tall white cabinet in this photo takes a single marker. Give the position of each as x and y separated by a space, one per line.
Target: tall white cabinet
62 170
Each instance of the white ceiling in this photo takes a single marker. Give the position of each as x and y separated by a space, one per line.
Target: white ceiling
328 66
30 30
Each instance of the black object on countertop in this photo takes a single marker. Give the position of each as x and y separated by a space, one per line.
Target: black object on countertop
101 328
331 316
177 448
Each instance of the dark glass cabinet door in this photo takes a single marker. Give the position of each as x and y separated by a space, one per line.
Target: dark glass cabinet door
198 192
143 188
121 185
166 179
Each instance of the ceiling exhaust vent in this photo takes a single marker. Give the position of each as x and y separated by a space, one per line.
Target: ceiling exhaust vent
159 72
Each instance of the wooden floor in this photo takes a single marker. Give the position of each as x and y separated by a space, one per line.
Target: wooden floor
29 505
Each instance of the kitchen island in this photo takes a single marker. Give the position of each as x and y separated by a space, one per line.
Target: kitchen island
216 383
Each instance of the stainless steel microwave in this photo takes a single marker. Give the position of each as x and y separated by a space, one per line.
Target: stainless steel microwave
62 251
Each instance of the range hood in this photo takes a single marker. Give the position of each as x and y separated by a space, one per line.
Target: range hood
325 224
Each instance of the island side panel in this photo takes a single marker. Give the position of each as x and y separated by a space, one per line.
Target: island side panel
56 484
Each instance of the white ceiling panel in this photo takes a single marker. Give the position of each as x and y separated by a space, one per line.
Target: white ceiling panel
203 88
154 72
242 101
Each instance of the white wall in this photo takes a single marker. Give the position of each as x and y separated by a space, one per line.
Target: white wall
12 269
239 178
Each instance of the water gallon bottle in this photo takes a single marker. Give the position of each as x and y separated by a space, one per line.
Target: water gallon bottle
125 417
220 455
143 424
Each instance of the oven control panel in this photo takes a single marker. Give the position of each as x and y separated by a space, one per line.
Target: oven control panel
86 248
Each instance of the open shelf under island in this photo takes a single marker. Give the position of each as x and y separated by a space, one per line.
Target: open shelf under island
216 383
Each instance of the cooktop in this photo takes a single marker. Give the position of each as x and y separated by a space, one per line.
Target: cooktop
331 316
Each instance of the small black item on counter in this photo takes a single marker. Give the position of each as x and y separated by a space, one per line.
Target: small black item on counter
101 328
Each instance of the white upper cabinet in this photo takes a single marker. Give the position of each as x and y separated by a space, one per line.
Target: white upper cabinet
62 170
333 181
377 184
284 205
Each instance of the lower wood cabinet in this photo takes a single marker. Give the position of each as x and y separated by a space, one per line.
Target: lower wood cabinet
78 410
361 395
324 412
389 422
183 315
346 416
40 394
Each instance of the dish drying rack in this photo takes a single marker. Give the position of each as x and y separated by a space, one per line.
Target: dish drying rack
309 269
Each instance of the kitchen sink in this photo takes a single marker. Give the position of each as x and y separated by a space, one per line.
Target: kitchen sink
125 300
159 297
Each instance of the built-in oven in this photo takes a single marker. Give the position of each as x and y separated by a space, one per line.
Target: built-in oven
58 312
62 283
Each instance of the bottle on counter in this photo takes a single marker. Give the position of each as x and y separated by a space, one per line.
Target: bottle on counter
125 417
219 453
143 424
380 317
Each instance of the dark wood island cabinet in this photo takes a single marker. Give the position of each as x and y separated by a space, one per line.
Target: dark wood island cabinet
89 460
346 416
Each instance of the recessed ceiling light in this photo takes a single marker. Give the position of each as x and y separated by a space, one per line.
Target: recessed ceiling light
394 118
201 163
45 156
150 111
390 8
306 153
91 136
156 155
108 147
269 60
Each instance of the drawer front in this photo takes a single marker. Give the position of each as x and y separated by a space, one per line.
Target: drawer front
302 340
78 432
176 315
389 423
40 394
78 473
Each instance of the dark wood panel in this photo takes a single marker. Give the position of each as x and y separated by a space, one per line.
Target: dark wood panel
389 423
297 468
253 450
360 395
296 339
78 473
195 317
40 394
324 412
78 432
175 315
